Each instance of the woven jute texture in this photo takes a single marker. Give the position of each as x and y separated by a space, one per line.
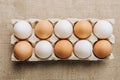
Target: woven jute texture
57 70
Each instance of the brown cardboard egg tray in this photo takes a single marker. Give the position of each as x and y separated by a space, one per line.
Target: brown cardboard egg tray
33 40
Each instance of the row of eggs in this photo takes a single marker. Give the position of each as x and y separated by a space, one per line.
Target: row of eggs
63 29
62 49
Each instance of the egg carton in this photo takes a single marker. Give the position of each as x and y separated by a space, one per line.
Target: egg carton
33 40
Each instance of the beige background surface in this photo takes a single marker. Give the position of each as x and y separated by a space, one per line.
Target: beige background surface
57 70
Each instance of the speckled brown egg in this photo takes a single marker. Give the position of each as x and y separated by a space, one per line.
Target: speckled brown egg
102 49
63 49
43 29
23 50
83 29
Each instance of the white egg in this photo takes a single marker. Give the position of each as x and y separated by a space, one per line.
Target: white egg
22 30
103 29
63 29
83 49
43 49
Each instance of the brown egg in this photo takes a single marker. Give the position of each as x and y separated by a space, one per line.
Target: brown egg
43 29
63 49
23 50
102 49
82 29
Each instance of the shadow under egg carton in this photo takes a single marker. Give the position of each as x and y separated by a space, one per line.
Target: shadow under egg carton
53 39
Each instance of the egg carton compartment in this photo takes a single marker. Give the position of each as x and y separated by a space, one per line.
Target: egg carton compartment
33 39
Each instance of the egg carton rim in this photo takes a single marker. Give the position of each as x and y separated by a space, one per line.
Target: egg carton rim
53 20
34 58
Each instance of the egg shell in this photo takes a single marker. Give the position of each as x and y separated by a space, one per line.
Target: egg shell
43 29
103 29
83 29
43 49
63 29
63 49
83 49
22 30
102 49
23 50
